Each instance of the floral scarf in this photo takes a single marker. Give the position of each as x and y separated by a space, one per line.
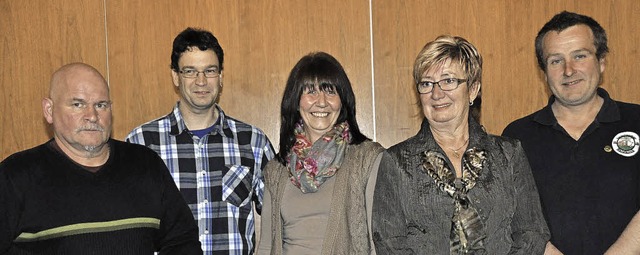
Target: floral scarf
467 229
317 162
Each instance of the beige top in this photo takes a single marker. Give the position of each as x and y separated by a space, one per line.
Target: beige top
306 217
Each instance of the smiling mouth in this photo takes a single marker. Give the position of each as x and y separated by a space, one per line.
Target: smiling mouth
441 106
320 114
571 83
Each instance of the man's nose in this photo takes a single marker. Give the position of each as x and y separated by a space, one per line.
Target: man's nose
91 114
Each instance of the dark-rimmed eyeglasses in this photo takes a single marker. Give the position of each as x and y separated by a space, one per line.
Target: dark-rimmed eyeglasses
448 84
192 73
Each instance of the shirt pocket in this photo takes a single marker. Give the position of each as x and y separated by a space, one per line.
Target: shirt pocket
237 185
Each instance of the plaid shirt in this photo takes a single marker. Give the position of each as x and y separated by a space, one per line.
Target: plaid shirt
219 175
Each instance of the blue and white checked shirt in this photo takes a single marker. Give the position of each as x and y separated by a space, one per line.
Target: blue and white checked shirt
219 175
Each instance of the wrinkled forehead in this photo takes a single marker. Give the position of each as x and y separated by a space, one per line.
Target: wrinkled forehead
569 39
86 86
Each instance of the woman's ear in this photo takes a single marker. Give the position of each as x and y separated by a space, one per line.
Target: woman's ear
474 91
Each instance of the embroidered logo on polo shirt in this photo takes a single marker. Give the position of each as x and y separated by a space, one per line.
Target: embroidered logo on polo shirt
626 143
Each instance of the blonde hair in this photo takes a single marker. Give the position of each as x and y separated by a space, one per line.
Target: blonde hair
458 49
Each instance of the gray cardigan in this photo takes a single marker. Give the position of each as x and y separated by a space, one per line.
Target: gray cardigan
411 215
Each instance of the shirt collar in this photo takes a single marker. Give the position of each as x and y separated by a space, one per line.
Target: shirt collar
178 126
608 113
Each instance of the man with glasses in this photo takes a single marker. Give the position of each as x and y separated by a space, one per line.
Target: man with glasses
215 160
583 146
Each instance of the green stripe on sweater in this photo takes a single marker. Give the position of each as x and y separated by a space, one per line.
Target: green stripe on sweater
86 228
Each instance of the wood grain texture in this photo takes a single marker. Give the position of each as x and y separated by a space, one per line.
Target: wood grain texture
37 37
262 41
504 33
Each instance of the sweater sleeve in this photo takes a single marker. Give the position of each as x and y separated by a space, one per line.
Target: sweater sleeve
529 229
6 229
9 208
178 232
264 244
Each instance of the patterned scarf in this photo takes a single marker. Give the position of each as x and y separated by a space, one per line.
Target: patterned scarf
316 163
467 229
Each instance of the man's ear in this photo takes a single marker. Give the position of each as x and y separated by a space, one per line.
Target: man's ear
176 78
602 62
47 109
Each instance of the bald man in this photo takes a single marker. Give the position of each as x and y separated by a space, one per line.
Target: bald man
85 193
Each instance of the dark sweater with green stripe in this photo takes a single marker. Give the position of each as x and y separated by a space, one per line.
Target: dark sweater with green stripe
51 205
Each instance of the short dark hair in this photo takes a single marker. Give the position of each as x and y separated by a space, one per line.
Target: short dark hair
322 70
194 37
564 20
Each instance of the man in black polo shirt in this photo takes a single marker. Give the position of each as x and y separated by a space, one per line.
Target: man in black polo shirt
583 146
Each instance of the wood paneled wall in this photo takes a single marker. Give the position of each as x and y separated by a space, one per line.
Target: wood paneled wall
37 37
376 41
504 33
262 41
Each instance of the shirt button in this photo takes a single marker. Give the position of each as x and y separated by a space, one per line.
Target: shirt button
205 201
206 231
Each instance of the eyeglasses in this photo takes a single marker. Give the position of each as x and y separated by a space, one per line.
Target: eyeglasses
192 73
448 84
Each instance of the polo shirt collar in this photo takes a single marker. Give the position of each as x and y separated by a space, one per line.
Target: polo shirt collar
608 113
178 126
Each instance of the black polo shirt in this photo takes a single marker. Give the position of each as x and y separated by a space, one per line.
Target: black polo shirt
589 192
